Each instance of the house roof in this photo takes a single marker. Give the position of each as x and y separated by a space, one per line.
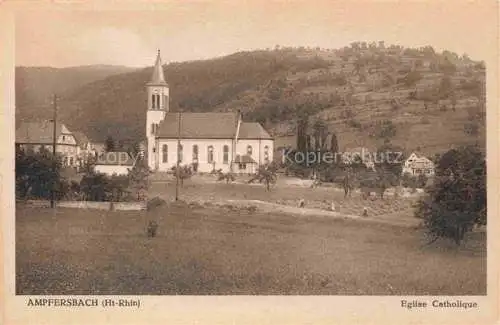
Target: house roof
199 125
252 130
81 139
244 159
420 161
38 132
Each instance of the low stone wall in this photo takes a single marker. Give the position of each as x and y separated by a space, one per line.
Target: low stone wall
116 206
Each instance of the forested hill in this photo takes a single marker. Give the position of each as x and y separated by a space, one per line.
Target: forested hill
366 93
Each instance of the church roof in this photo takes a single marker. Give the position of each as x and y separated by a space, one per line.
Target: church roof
157 78
199 125
209 126
253 130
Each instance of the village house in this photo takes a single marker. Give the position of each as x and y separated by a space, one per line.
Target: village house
207 141
418 165
37 135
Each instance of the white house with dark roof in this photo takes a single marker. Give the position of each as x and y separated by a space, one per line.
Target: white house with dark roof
417 165
208 141
39 134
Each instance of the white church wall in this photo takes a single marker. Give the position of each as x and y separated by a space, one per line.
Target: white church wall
258 149
203 165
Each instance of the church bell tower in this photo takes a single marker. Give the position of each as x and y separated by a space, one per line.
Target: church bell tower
158 99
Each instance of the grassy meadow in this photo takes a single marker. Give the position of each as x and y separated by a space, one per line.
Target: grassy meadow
208 250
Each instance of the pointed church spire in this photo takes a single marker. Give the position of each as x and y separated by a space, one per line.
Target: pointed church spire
158 78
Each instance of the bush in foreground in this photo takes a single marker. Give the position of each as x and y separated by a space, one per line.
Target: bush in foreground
457 200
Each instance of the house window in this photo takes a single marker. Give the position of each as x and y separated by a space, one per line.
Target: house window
210 154
249 150
179 153
195 153
226 154
164 153
242 166
71 161
266 154
64 138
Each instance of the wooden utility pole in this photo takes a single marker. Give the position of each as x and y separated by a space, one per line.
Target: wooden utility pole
54 143
177 171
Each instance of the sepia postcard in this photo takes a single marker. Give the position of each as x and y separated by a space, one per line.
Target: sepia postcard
249 162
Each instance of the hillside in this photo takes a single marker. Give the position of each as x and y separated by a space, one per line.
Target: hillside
35 86
365 93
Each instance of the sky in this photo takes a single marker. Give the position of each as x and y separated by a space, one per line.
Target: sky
129 33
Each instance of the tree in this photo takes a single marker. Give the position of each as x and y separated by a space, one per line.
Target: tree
457 200
37 174
266 175
110 144
185 172
320 133
334 145
302 133
138 176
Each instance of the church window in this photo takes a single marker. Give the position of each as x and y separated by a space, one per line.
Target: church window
266 154
165 101
210 154
152 128
179 153
195 153
164 153
249 150
226 154
158 101
153 101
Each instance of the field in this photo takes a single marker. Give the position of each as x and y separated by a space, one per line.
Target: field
212 250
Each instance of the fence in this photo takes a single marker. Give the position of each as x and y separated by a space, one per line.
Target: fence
109 206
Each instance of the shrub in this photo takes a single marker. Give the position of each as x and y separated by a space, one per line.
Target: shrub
457 199
155 202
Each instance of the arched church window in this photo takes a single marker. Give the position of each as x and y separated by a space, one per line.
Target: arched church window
195 153
164 153
153 101
158 101
210 154
225 154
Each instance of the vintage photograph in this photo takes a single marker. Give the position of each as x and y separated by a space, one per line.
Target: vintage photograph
249 149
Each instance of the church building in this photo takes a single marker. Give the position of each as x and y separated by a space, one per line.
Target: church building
205 141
